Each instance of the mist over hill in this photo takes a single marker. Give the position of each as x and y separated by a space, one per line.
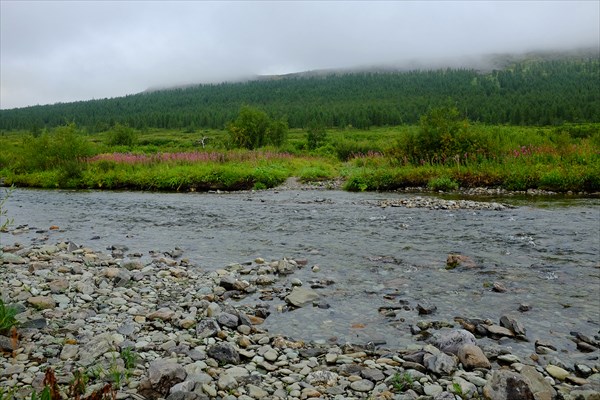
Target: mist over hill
539 88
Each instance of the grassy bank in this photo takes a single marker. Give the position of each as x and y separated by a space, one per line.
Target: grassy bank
564 158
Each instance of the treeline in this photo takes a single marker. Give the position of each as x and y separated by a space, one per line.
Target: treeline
546 92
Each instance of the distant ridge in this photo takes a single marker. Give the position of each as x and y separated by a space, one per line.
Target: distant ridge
482 64
537 88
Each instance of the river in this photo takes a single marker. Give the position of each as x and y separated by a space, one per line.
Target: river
545 251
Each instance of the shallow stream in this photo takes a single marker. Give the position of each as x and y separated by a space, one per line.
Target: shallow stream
546 252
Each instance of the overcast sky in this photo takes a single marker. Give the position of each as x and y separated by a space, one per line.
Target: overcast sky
59 51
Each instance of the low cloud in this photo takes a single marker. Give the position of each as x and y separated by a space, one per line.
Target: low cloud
54 51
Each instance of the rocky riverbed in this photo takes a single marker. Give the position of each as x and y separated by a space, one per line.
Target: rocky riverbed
165 328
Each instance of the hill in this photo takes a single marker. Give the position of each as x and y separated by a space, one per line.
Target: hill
533 89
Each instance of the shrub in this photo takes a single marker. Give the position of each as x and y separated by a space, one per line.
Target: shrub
442 183
64 148
315 136
443 137
253 129
122 135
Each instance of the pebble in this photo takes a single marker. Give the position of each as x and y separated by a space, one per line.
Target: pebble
189 337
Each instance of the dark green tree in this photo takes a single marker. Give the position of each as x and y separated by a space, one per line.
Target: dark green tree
315 135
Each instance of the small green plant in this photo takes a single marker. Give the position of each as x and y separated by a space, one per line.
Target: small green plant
76 389
130 358
457 389
443 183
7 394
401 382
44 394
78 384
7 317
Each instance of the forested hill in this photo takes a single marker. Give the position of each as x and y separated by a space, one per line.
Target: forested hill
533 92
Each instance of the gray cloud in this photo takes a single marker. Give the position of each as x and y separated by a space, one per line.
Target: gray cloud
52 51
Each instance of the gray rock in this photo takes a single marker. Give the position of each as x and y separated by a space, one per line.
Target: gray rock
440 364
285 267
207 327
224 353
499 287
444 396
433 389
425 309
372 374
256 392
162 376
363 385
301 296
499 331
126 329
322 378
228 320
69 352
58 285
6 344
38 323
467 389
185 396
583 370
96 347
9 258
512 324
451 341
541 388
227 282
507 385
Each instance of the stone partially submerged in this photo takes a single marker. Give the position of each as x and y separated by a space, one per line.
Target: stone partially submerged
301 296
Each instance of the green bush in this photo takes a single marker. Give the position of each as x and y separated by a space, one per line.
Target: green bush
315 136
444 137
253 129
64 148
122 135
442 183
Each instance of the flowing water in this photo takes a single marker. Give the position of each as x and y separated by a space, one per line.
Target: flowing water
546 253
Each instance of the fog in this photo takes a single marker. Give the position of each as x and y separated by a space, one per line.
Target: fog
59 51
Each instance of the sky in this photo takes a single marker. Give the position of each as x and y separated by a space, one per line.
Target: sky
61 51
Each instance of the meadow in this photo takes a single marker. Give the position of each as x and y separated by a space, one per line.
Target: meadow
435 154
